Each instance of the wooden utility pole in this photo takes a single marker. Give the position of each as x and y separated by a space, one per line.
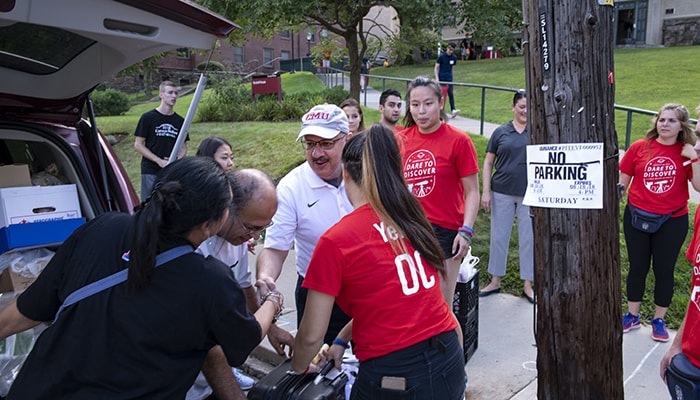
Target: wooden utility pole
570 85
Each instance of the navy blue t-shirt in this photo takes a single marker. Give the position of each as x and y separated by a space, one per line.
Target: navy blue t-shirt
446 63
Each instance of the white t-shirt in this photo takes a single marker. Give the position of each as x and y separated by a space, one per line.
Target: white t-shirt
235 257
307 207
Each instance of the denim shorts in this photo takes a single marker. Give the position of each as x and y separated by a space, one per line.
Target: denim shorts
433 370
446 237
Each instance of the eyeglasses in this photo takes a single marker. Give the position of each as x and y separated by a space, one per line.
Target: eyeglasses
323 144
250 230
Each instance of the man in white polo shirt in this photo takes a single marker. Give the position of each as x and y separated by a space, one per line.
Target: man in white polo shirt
311 198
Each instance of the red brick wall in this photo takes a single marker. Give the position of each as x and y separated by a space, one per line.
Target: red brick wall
253 53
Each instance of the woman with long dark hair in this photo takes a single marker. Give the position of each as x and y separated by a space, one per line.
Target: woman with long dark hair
383 266
147 337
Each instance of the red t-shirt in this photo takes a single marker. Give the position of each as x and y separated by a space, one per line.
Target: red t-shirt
433 166
691 332
395 300
660 180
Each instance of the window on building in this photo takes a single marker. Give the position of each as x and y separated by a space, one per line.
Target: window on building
238 55
183 52
285 55
670 11
268 55
285 34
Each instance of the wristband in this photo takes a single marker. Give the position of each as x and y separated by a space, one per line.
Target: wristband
340 342
693 160
278 300
466 229
466 236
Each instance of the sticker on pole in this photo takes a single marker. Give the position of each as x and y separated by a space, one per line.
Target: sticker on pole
566 175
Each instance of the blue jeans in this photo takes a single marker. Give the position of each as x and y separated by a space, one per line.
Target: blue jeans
147 183
433 369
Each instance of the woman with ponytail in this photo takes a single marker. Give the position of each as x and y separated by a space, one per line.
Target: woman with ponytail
383 266
146 337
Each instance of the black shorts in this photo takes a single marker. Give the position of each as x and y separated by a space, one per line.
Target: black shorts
446 237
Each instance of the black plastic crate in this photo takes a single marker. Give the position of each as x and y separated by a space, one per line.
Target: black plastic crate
466 308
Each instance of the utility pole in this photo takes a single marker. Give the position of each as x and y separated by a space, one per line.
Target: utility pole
570 88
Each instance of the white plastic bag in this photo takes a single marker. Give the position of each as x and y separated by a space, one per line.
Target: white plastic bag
14 348
26 263
468 267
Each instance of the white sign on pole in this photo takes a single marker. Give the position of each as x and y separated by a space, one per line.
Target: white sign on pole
566 175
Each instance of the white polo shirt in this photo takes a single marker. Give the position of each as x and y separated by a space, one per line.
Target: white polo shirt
235 257
307 207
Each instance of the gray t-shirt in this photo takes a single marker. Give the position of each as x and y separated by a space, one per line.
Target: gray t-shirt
509 146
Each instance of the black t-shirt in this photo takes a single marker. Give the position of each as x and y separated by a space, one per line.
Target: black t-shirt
150 345
161 133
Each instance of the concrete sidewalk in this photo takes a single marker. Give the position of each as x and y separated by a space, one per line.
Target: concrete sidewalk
504 364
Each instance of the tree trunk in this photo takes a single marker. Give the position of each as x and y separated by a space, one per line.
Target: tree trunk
355 62
569 53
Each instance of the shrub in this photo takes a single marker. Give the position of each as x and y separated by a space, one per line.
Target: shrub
231 101
210 66
293 107
335 95
209 111
110 102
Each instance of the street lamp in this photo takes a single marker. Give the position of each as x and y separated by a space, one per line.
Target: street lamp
309 35
326 52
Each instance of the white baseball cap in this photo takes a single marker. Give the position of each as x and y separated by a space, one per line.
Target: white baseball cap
325 121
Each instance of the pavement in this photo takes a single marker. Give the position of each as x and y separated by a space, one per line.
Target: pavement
503 367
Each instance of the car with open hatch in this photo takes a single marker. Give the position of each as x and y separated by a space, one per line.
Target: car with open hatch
55 165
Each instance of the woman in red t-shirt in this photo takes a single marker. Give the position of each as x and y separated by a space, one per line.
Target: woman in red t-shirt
441 169
659 168
383 266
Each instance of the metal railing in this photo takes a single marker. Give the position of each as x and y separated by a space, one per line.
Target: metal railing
334 77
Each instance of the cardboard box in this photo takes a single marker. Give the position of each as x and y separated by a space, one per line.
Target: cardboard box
10 281
14 175
37 234
30 204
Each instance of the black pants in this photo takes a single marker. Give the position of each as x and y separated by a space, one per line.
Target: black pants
659 250
338 318
451 97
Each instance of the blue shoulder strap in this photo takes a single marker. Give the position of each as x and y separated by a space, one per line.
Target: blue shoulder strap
118 277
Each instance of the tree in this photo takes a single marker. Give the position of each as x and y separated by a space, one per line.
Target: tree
419 26
344 18
569 58
495 22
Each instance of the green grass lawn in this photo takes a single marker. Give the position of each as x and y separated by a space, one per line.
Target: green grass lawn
645 78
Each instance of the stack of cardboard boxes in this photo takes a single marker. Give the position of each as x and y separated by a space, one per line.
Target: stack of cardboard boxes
32 216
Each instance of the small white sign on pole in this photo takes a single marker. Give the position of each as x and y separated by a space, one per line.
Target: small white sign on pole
565 175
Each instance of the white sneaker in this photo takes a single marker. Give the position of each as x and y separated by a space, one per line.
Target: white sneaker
454 113
244 381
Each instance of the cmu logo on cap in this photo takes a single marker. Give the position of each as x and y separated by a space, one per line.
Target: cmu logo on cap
318 115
